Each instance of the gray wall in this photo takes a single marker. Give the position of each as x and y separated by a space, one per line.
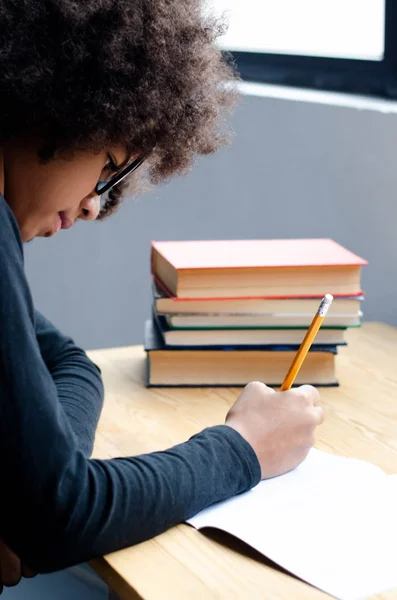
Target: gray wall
295 169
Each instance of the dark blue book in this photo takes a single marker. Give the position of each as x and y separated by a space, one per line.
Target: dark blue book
231 366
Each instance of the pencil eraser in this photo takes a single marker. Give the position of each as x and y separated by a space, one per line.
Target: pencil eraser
325 304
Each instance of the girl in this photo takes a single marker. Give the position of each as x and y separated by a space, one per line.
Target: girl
93 94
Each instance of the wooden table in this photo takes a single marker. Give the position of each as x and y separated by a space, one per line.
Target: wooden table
183 564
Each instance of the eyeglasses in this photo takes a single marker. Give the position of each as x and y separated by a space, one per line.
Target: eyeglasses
105 185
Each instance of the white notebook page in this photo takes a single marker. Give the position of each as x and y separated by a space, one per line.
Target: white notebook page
332 522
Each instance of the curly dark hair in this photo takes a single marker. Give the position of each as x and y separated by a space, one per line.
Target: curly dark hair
92 73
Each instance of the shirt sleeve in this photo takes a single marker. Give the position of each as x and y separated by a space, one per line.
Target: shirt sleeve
58 507
77 379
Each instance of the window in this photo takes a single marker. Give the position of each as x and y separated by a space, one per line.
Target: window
327 28
345 45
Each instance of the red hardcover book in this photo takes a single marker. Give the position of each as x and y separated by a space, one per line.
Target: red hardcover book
256 268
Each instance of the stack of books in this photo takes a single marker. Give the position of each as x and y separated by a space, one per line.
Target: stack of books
229 312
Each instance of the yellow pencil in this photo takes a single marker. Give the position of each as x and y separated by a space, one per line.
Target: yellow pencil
307 342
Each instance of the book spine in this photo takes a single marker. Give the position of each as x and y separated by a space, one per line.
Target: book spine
147 370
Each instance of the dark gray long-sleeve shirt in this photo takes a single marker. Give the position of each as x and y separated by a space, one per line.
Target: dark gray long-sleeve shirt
58 507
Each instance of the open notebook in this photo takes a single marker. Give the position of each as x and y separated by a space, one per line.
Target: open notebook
332 522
